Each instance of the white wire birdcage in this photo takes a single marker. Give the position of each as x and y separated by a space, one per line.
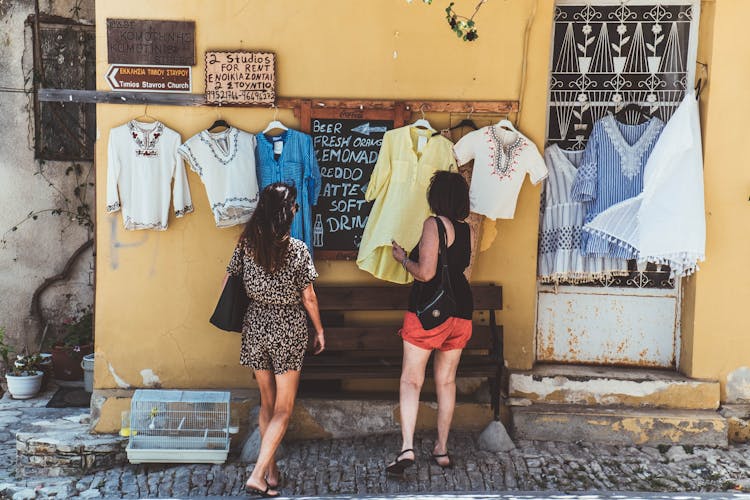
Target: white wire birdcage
179 426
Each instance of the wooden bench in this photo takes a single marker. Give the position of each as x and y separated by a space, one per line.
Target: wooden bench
374 350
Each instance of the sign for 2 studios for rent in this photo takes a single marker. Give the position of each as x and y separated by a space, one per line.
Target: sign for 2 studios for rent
150 55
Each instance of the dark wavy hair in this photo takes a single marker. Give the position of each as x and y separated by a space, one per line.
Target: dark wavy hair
266 234
449 195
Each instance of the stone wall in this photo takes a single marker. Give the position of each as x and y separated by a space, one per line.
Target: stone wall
38 249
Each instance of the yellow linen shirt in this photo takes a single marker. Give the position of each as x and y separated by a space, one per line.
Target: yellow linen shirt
399 184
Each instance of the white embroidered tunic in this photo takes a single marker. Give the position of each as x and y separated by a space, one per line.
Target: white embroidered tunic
666 223
502 158
561 223
142 160
225 162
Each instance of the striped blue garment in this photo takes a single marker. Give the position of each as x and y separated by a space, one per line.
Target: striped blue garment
296 165
612 171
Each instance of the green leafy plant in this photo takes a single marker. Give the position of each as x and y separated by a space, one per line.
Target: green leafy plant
25 366
464 27
78 331
4 349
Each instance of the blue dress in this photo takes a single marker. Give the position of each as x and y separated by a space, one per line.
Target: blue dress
611 171
296 165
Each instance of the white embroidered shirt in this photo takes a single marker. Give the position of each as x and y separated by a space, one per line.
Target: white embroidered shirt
142 160
502 158
225 162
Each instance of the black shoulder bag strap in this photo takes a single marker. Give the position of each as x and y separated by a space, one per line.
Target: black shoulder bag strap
445 278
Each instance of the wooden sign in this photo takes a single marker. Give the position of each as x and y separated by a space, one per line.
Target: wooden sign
124 77
142 41
347 143
240 78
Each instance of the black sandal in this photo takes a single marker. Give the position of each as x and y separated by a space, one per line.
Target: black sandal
399 466
449 465
261 493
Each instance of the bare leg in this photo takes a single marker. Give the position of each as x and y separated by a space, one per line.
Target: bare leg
286 390
446 364
267 385
412 378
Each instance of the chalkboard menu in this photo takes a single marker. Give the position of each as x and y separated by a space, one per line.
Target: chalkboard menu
346 150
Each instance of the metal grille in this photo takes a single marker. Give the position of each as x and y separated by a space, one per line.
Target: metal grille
179 426
607 53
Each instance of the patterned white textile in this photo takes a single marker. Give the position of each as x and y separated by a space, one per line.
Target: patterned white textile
561 222
666 223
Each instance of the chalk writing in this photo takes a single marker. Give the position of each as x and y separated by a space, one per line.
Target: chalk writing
346 149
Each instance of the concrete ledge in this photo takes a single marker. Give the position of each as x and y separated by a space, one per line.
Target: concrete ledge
64 447
596 386
738 418
621 426
318 418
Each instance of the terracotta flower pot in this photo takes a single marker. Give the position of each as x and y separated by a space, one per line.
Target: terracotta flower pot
67 362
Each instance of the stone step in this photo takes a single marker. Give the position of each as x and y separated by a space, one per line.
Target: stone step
620 426
606 386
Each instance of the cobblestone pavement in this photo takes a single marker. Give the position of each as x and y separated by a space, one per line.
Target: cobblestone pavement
356 467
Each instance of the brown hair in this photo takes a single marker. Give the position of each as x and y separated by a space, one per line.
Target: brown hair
266 234
449 195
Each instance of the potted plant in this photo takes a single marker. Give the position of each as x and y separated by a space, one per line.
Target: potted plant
78 341
23 377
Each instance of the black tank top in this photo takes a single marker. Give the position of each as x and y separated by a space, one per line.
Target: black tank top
459 256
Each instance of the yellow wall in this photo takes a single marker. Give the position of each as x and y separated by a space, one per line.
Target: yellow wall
721 342
155 290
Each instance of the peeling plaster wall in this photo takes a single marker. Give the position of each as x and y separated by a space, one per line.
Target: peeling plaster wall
38 249
720 340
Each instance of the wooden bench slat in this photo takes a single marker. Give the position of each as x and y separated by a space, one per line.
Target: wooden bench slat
379 338
387 298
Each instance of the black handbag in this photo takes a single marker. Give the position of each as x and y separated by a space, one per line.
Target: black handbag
230 311
441 305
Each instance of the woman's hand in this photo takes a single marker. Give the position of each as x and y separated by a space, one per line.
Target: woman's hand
399 254
319 344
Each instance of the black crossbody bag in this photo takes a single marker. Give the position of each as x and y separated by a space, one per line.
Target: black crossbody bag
233 303
441 305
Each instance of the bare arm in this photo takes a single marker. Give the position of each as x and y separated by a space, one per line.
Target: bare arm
310 302
425 268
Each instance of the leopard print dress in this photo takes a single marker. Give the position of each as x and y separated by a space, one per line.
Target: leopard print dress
274 332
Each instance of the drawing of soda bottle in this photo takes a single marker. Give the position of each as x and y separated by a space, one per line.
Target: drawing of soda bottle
318 231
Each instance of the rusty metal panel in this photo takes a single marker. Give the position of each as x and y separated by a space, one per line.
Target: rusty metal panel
631 328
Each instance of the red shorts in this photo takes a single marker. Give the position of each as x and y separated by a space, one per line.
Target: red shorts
453 334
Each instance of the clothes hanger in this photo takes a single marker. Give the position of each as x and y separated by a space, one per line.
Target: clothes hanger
506 124
145 117
275 123
220 122
422 122
466 122
631 112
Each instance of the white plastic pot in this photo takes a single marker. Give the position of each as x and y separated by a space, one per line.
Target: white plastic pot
24 386
88 372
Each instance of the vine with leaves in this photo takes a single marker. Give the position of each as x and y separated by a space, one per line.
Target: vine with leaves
463 26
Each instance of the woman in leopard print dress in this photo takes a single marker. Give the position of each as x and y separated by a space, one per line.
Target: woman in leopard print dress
278 272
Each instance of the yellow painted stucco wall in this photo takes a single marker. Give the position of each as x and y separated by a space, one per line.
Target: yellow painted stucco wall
156 290
721 329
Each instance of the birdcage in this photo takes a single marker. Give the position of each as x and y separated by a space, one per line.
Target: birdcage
179 426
